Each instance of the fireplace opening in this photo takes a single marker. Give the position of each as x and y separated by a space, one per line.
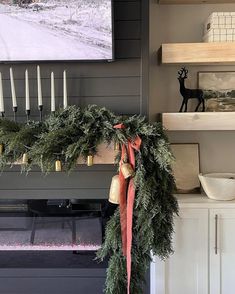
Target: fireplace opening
52 233
51 225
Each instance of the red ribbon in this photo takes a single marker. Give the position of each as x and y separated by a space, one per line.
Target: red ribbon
127 205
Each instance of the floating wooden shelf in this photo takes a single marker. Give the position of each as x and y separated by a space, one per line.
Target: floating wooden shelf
195 1
198 53
199 121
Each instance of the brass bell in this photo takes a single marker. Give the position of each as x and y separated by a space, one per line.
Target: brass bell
58 166
1 149
117 146
25 158
90 160
127 170
114 192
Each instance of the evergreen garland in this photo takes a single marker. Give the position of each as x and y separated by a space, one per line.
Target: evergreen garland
74 132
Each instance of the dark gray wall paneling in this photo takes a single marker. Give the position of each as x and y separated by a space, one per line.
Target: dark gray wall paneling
59 281
114 92
127 19
68 285
115 85
84 183
145 57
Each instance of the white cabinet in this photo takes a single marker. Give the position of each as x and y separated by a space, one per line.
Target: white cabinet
204 258
222 251
187 270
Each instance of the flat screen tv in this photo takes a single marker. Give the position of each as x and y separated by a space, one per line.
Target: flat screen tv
56 30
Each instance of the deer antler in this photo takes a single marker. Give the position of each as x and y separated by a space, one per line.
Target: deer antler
183 73
180 72
186 72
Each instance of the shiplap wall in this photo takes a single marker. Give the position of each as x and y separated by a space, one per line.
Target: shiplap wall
116 85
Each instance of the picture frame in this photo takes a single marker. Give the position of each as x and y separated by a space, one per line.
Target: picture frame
186 167
218 90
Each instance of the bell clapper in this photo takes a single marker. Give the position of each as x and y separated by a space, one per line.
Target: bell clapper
114 192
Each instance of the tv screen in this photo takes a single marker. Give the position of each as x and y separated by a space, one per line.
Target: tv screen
55 30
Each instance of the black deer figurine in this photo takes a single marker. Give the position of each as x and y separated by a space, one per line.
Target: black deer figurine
189 93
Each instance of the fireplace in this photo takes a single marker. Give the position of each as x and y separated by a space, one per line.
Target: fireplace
49 245
41 249
52 225
52 233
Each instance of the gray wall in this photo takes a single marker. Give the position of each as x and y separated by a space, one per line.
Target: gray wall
116 85
59 281
184 23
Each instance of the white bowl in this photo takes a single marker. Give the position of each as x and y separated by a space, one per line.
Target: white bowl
218 186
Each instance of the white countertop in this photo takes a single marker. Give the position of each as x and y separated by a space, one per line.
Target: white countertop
201 201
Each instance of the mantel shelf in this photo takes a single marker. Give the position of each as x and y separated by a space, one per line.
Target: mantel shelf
198 53
199 121
105 155
195 1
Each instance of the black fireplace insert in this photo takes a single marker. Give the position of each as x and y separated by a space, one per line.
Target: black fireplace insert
53 225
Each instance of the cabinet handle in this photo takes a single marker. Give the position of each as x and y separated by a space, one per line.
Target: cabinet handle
216 234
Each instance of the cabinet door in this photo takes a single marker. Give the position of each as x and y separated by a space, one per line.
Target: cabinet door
186 271
222 251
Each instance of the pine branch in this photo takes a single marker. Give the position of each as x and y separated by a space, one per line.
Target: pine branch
74 132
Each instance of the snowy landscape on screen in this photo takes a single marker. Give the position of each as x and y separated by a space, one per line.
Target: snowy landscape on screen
33 30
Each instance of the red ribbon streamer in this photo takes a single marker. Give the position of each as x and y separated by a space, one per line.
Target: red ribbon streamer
127 205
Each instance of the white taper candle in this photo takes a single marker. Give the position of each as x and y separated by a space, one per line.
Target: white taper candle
65 96
27 101
1 95
13 93
52 92
39 86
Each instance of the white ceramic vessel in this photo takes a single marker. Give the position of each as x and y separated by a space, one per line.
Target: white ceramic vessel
218 186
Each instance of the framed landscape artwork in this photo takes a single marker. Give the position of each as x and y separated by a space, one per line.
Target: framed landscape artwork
186 167
219 90
56 30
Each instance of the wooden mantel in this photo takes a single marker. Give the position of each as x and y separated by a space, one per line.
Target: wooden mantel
105 155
